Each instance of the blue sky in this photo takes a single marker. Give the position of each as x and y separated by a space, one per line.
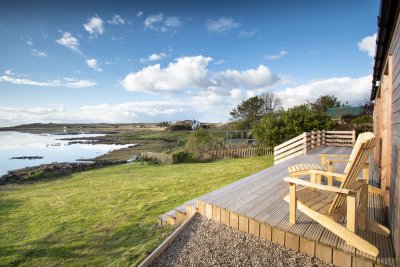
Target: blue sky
149 61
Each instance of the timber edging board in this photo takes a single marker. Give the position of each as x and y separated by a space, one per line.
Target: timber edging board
167 242
323 251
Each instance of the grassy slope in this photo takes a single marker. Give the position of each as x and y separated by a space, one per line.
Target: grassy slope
105 216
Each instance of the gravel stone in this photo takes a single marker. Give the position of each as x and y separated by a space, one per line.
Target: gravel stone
205 242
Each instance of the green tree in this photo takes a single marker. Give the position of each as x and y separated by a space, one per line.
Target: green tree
270 131
198 141
323 102
276 128
249 112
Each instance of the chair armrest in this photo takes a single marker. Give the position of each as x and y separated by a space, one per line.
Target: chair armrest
291 180
335 155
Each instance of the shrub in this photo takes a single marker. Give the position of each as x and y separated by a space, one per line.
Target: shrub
181 156
362 120
179 127
198 141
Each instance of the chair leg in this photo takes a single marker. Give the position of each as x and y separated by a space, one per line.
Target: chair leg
363 207
330 169
351 212
293 203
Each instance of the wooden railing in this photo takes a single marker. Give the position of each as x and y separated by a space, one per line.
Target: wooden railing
308 141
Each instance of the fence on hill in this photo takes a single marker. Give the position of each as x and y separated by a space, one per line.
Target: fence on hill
214 154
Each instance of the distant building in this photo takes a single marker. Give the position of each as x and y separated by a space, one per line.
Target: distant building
341 111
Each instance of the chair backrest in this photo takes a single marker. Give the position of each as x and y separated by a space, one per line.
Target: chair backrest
361 138
358 158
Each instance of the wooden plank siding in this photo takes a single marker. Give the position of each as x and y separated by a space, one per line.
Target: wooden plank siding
394 191
255 205
387 128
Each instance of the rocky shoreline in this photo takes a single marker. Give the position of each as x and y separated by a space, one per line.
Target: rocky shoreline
96 140
53 170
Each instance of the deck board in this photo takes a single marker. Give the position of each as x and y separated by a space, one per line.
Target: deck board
258 200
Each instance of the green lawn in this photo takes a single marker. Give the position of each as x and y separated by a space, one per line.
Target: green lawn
106 216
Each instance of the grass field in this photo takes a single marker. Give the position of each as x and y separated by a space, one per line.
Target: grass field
106 216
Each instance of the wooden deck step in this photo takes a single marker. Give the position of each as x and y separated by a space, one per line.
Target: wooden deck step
171 217
162 220
179 214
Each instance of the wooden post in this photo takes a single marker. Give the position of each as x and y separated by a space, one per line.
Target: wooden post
330 169
351 212
323 138
313 178
353 139
293 203
319 138
363 207
312 140
305 143
323 161
366 172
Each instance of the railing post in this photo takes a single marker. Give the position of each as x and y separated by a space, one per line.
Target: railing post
353 139
312 140
305 143
323 138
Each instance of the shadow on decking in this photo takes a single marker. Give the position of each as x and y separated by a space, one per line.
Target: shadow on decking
255 205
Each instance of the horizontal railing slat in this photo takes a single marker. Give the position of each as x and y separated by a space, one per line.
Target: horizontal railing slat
308 141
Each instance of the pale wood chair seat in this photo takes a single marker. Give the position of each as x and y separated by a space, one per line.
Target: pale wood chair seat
319 201
302 169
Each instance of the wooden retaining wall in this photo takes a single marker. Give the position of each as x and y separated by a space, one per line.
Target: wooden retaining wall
337 255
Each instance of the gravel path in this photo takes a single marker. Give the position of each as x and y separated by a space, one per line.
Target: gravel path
205 242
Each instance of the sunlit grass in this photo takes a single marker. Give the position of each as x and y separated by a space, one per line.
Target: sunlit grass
106 216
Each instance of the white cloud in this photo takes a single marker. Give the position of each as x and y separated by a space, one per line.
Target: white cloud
38 53
71 83
9 72
221 25
261 77
139 14
161 23
116 38
353 90
29 42
281 54
153 57
92 63
116 20
248 33
94 26
69 41
184 72
219 62
187 73
368 45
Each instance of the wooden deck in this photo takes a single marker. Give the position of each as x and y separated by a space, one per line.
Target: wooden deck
255 205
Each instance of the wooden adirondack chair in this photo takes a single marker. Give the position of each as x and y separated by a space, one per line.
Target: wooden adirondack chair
328 204
329 159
